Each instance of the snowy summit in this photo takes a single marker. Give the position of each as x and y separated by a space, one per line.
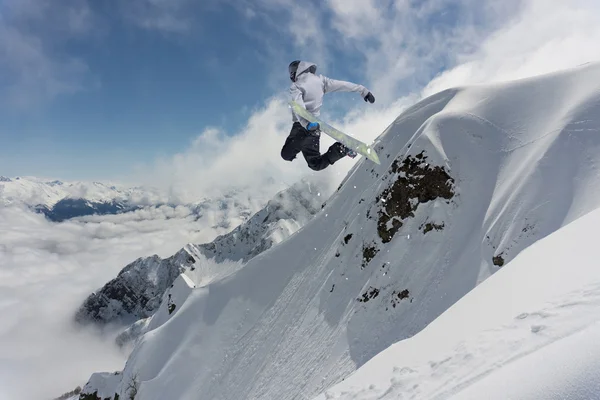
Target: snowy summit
495 184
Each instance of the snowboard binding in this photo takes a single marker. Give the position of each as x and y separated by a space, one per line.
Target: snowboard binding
345 150
350 153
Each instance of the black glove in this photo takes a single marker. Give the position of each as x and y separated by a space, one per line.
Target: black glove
370 98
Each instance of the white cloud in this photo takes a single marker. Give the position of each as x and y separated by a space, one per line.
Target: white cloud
402 44
304 23
462 42
405 44
168 16
547 36
396 46
250 13
31 36
46 270
36 76
217 161
494 40
357 18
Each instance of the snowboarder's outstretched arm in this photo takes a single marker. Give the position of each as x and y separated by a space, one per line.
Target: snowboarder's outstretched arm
332 85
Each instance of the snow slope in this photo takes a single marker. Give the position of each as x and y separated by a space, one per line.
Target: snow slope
538 318
283 215
470 177
138 289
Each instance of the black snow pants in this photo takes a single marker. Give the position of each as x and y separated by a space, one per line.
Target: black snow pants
300 140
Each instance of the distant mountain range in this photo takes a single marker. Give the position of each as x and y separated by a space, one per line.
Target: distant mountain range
60 201
32 191
71 208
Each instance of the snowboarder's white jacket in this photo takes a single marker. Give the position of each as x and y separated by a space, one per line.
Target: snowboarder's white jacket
308 90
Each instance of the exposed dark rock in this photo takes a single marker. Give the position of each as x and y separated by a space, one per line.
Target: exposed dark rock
347 238
136 292
527 228
417 182
370 294
72 393
171 306
89 396
369 253
498 260
428 227
397 297
101 382
133 387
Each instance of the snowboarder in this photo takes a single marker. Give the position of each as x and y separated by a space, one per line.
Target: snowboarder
307 89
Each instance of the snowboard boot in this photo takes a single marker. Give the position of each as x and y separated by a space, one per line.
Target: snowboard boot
343 150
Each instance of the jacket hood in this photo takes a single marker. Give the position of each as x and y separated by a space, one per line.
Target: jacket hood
303 67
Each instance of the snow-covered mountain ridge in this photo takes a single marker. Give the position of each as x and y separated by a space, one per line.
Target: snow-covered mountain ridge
287 212
138 290
470 177
60 201
539 318
32 192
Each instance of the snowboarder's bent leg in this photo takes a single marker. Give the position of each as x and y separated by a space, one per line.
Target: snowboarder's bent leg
313 156
300 140
294 142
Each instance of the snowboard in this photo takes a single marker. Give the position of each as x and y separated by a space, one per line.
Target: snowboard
348 141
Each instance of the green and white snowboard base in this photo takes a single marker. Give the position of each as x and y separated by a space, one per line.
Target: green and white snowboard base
348 141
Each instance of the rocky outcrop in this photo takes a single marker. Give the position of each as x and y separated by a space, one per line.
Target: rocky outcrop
287 212
137 292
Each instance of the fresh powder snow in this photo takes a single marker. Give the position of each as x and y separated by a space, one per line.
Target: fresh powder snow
530 332
470 177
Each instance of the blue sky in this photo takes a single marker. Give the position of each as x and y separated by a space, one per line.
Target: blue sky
122 83
90 90
142 91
